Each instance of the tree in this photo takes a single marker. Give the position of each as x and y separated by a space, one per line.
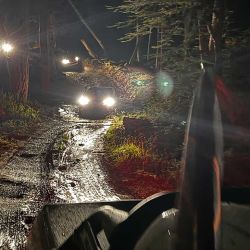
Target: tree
47 42
189 31
157 22
15 17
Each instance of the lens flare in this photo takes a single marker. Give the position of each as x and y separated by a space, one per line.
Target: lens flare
109 102
165 83
77 58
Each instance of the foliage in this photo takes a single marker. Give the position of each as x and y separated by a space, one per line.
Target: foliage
129 151
123 78
178 35
136 165
160 24
15 110
62 142
150 14
115 134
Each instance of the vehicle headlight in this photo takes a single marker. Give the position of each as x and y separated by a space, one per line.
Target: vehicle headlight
109 102
7 47
65 61
84 100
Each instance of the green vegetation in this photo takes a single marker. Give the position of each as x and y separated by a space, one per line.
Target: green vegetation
138 163
62 142
13 110
129 151
17 119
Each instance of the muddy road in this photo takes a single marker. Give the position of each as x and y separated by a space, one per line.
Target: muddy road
61 162
78 175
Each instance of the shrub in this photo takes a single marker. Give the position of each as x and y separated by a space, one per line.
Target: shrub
15 110
129 151
115 134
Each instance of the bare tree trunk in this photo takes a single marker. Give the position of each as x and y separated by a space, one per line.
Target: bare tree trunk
18 63
19 76
203 44
86 25
190 28
157 49
45 62
52 44
149 42
203 13
136 51
210 33
137 43
161 49
216 31
89 50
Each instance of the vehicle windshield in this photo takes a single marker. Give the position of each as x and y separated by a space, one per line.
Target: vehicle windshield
100 92
145 61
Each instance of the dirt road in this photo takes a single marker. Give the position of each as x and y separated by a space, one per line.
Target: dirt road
40 174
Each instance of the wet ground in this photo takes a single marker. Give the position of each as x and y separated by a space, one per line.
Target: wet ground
78 175
23 187
59 163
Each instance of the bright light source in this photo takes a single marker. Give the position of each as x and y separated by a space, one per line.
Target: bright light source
65 61
165 83
84 100
86 68
77 58
7 47
109 102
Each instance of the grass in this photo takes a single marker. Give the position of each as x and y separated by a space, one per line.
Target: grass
62 142
129 151
11 109
17 119
136 165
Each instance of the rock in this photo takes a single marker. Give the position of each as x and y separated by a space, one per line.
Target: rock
62 168
28 220
72 184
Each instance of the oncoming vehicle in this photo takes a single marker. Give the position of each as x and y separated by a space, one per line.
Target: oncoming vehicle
97 101
70 64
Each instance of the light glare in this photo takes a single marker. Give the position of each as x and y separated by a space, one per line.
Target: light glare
83 100
165 83
77 58
7 47
65 61
109 102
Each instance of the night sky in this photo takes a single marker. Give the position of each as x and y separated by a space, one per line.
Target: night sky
70 29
